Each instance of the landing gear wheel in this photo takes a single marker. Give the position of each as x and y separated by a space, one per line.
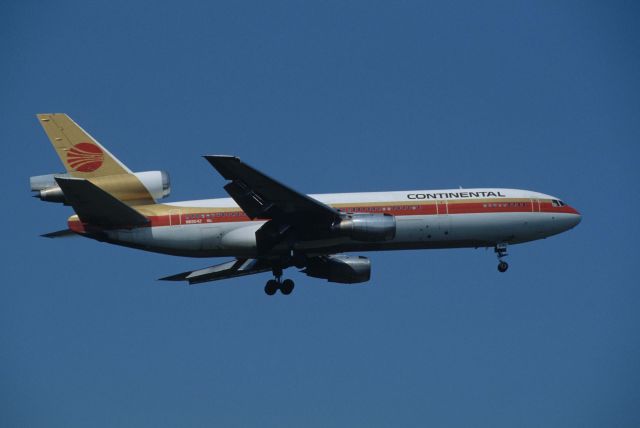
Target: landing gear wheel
501 251
287 287
271 287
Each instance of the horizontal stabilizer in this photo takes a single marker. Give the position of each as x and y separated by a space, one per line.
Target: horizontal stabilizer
64 233
95 206
231 269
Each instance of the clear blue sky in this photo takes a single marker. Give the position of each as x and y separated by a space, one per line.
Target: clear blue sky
328 97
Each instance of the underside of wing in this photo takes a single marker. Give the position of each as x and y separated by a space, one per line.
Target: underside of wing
231 269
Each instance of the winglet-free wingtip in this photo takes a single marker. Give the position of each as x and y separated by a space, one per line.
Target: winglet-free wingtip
65 233
213 159
178 277
220 156
223 163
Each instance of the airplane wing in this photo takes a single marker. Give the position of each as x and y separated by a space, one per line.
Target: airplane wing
231 269
95 206
260 196
64 233
291 214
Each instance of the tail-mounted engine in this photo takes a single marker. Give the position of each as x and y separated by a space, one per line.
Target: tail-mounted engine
340 268
367 227
124 186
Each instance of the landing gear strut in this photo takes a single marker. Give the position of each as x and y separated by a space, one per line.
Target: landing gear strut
273 285
501 251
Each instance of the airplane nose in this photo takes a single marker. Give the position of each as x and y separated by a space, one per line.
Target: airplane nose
576 218
570 219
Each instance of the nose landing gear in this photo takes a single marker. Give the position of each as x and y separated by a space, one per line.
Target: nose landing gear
273 285
501 251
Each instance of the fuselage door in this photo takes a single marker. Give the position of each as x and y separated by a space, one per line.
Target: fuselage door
175 218
444 220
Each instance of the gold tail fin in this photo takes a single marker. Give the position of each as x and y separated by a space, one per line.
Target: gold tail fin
84 157
80 153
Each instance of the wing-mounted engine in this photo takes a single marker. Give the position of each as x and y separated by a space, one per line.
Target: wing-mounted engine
367 227
340 268
125 187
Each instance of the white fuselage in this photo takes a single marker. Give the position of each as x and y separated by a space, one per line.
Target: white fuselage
424 219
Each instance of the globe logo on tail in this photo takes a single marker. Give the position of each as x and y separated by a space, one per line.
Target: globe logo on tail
85 157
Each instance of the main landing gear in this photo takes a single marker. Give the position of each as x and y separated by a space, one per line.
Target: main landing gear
273 285
501 251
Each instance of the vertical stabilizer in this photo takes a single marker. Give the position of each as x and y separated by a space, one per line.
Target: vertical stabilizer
80 153
84 157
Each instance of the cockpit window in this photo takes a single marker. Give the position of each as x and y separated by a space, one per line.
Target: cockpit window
557 203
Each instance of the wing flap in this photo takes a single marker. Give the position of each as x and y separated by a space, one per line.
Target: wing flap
231 269
95 206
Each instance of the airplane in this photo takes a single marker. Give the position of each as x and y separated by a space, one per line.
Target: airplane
266 226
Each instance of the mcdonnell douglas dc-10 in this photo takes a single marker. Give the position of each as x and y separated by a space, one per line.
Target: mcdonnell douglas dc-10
267 226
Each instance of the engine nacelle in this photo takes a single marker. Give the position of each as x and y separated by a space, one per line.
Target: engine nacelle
157 184
47 188
340 268
367 227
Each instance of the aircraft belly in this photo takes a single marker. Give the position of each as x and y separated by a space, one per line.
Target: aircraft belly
503 227
417 229
476 228
183 238
241 240
430 231
211 237
206 239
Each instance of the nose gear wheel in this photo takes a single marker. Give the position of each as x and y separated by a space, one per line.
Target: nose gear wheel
501 251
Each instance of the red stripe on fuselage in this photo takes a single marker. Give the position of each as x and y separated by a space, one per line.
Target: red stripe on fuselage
431 208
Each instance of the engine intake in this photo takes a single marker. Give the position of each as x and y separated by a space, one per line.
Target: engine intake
367 227
340 268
